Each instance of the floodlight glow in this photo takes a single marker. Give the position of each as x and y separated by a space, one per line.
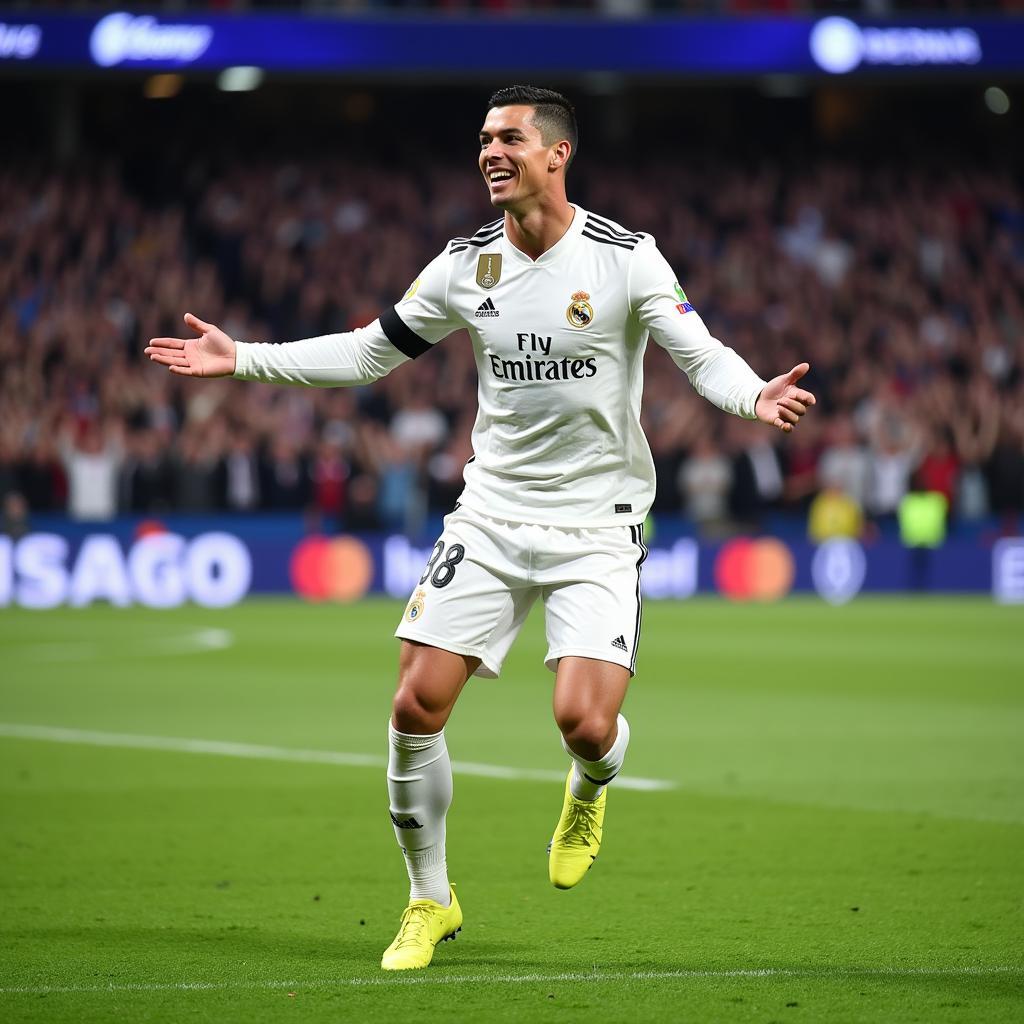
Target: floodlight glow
240 79
162 87
996 100
836 45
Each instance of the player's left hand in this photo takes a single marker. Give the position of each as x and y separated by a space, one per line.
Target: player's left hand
782 402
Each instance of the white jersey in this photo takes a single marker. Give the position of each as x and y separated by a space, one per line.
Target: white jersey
559 344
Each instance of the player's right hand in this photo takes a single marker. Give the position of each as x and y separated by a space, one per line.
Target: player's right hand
212 354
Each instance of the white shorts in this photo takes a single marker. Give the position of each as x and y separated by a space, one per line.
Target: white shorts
485 574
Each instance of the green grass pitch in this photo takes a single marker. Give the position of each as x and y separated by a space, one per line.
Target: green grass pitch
842 842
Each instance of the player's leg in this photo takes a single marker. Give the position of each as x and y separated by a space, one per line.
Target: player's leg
592 616
461 620
587 702
420 793
419 770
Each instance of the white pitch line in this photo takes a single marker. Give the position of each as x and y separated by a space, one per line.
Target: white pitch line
390 980
186 643
261 752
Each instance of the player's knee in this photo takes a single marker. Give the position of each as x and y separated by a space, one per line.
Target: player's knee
411 713
590 736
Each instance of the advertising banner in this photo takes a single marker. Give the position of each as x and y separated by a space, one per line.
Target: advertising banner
834 46
219 562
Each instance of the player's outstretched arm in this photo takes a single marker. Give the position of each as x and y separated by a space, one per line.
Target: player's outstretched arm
212 354
782 402
360 356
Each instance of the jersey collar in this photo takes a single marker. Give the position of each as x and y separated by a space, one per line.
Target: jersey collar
564 244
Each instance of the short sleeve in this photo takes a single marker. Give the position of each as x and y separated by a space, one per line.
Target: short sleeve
422 317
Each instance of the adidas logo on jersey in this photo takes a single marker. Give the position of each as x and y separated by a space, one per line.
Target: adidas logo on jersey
620 642
486 308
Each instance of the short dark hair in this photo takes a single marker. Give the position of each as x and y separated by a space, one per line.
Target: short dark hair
553 115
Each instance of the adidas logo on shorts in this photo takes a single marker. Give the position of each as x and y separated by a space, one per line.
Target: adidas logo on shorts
620 642
487 308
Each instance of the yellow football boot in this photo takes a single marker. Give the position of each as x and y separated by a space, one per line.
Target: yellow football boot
577 839
425 923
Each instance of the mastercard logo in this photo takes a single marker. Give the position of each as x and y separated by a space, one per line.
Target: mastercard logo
331 569
754 570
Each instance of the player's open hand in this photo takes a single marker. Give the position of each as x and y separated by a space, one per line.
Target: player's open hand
783 402
212 354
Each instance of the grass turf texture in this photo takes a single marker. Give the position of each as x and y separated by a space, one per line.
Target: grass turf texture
848 817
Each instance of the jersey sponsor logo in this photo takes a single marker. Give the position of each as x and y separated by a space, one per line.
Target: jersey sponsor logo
488 269
529 368
415 609
684 303
620 643
487 308
580 313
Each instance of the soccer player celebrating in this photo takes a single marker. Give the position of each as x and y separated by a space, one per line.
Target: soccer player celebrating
559 303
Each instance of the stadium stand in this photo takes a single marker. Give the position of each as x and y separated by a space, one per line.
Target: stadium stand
904 289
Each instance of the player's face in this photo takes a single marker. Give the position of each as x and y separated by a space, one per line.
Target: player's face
514 161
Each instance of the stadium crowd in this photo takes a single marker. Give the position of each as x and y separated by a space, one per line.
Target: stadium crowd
903 288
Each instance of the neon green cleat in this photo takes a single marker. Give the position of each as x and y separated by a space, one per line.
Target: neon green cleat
577 839
425 923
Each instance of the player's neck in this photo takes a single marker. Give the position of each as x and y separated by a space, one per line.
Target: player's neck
536 230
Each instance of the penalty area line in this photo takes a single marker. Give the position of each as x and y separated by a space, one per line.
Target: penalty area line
396 980
263 752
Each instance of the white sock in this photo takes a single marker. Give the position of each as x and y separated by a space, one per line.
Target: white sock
420 792
590 777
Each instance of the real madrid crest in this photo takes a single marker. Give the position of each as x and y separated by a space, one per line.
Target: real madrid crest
580 313
415 609
488 269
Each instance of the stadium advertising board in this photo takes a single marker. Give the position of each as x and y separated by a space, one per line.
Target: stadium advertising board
216 563
160 570
678 46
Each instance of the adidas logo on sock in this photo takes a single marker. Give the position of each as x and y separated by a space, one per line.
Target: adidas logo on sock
620 642
405 822
486 308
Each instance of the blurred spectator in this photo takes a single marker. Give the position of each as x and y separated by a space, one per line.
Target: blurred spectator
757 481
194 471
939 470
833 513
14 522
241 469
705 480
845 465
146 474
330 473
287 480
1005 472
92 460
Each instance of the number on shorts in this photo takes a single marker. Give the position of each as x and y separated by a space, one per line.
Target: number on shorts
438 548
445 572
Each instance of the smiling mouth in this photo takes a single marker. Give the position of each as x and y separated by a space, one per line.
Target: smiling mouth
499 176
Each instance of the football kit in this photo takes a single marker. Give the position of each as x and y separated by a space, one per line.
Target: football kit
562 478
